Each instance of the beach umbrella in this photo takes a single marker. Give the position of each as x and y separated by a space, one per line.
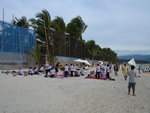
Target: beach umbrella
100 62
132 62
86 62
78 60
82 61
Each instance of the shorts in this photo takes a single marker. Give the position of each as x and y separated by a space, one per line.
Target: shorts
125 75
131 85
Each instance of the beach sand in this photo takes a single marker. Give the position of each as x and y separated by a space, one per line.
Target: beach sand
36 94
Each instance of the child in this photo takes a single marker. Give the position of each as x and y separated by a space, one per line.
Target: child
132 83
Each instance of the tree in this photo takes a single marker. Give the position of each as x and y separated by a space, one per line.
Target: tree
42 25
76 27
92 48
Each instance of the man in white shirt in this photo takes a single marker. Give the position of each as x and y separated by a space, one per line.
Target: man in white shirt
132 82
108 71
98 70
66 70
71 69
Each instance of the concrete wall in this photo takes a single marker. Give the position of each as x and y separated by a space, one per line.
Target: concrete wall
15 60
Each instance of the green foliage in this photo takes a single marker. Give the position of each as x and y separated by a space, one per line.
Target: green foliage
97 52
58 24
22 22
37 54
76 27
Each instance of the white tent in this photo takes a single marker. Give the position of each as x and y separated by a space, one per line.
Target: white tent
132 62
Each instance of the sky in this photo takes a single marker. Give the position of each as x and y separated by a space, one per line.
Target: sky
122 25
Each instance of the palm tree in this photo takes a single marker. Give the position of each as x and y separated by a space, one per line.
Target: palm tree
76 27
42 25
59 36
92 48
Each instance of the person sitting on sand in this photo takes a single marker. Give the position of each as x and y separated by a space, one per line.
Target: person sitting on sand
47 67
52 72
35 70
77 73
91 74
31 72
20 72
132 82
82 72
41 69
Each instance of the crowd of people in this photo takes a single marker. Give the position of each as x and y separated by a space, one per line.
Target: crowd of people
75 70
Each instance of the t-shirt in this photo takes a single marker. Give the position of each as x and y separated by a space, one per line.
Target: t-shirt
31 71
132 76
49 67
108 69
52 72
42 69
125 70
71 68
46 65
66 68
98 69
21 72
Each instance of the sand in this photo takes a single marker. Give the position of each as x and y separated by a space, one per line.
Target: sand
36 94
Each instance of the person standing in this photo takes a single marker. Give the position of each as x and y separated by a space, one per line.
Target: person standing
98 70
132 82
108 69
71 69
57 68
116 69
66 70
125 71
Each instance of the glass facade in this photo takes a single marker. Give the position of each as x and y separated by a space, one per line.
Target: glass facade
16 39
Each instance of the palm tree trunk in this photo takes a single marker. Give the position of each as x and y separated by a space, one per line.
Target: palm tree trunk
47 55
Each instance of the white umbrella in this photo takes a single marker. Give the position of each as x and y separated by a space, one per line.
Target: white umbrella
132 62
83 61
100 62
78 60
86 62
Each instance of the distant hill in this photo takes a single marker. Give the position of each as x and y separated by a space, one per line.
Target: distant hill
136 57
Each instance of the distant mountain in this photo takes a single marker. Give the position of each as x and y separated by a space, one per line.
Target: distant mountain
136 57
132 52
